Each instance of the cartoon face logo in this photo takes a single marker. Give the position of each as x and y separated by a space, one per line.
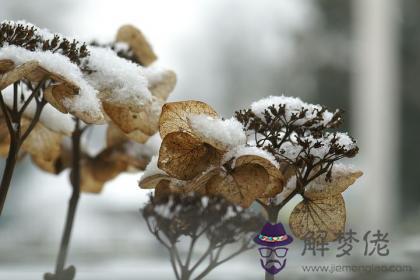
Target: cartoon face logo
272 241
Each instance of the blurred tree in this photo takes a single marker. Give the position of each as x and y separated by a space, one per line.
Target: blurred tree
269 52
410 86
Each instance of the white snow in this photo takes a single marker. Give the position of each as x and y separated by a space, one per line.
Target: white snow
293 105
244 150
165 211
292 149
121 47
205 201
287 190
152 169
86 101
50 117
229 132
338 170
154 73
123 78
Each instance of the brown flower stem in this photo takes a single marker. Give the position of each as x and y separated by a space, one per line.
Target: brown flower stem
71 212
13 118
273 211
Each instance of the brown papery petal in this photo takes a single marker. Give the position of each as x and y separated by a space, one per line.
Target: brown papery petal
324 217
162 190
174 117
17 73
165 86
151 182
183 156
199 183
42 142
88 183
144 119
50 166
6 65
242 186
4 136
49 97
276 178
138 43
106 165
4 145
115 136
339 184
138 136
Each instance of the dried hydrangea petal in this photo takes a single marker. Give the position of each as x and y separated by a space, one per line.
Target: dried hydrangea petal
340 181
144 118
162 88
174 116
183 156
324 217
138 43
241 186
88 183
42 142
151 182
276 178
6 65
17 73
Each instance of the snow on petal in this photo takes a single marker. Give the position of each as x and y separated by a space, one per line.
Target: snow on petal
123 78
86 100
228 132
244 150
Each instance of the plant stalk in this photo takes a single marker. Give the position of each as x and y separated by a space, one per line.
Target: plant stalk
73 202
13 118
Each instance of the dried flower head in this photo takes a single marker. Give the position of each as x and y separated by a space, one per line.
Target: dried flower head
269 153
209 155
172 217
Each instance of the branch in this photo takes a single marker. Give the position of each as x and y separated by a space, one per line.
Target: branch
177 255
156 233
15 92
28 101
190 251
175 268
203 257
6 115
34 121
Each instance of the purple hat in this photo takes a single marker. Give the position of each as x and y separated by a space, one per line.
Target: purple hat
273 236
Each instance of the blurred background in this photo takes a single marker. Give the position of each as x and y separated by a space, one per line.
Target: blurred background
362 56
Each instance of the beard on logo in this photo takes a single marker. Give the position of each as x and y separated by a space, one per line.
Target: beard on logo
273 266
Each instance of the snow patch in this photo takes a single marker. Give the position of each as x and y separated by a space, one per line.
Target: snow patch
153 169
244 150
56 63
293 105
123 78
229 132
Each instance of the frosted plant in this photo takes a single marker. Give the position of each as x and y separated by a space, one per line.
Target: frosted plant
299 135
54 88
177 219
195 152
279 148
